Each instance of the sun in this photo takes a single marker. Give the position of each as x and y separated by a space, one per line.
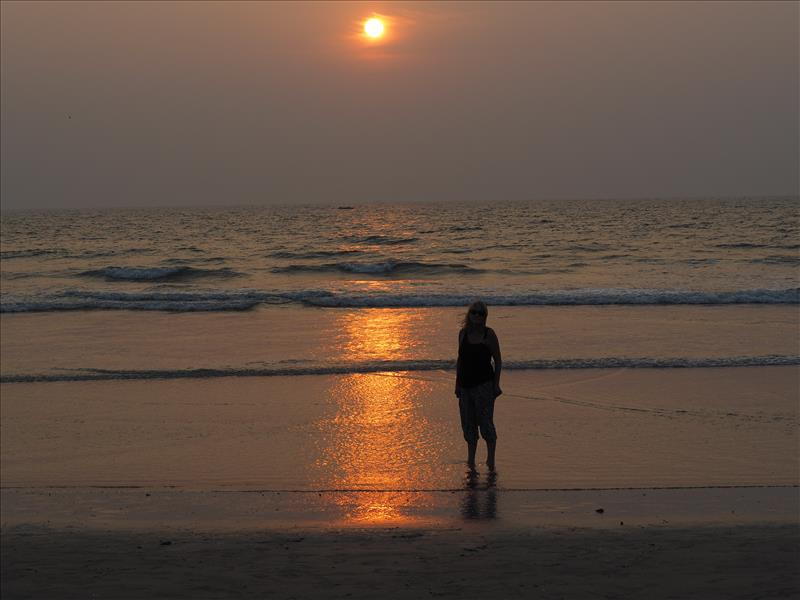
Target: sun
374 27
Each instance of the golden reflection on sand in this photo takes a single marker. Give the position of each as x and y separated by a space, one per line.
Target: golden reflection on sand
377 438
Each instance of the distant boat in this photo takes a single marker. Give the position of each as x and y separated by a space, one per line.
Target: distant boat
344 208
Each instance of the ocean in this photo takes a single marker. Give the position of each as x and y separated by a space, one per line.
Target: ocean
643 262
287 290
556 253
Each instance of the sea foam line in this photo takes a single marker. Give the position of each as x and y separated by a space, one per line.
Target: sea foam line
90 374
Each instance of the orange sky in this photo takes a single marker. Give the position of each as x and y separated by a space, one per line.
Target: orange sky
143 103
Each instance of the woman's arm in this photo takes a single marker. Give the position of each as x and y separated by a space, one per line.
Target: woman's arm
458 364
494 347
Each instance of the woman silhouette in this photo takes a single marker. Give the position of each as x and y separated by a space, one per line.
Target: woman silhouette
477 381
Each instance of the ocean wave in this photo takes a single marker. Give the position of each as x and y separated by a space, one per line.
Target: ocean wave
190 261
147 301
587 247
748 245
274 370
389 267
108 253
188 301
776 259
456 228
564 298
313 254
158 273
64 253
31 253
457 251
383 240
742 245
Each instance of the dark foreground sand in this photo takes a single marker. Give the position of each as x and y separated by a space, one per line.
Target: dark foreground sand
471 543
755 561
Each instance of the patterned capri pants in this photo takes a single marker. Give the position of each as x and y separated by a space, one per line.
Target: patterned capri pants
476 405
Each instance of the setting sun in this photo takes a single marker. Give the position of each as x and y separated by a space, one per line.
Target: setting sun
374 27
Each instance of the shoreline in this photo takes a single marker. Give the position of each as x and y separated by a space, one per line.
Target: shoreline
493 508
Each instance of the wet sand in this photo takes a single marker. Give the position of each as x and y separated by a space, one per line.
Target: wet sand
557 429
654 562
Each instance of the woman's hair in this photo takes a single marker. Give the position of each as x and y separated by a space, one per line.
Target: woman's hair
477 305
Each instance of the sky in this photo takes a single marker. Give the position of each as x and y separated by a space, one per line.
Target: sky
109 104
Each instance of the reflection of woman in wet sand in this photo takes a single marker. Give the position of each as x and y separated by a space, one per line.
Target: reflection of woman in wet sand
477 382
480 503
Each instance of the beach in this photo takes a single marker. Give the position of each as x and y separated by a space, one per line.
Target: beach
610 483
571 428
665 562
264 406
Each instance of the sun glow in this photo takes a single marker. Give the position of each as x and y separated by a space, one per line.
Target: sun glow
374 28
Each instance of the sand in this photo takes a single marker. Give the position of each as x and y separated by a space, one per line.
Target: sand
611 484
701 562
558 429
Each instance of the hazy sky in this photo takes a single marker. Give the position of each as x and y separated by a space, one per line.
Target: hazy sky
148 103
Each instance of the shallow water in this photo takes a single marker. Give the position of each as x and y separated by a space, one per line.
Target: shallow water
287 340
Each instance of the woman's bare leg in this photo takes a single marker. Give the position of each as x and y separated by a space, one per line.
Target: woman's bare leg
471 448
490 448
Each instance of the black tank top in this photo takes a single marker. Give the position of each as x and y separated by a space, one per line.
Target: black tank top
474 362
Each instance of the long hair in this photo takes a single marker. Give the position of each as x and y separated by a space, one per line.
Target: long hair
475 304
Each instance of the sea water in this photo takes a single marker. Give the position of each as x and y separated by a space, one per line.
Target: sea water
178 292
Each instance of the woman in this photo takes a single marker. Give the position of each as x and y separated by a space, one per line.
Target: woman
477 382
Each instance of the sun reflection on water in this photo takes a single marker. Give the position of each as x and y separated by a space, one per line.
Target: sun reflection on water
378 334
378 439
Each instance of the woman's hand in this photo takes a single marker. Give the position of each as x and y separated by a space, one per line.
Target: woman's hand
497 390
457 392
